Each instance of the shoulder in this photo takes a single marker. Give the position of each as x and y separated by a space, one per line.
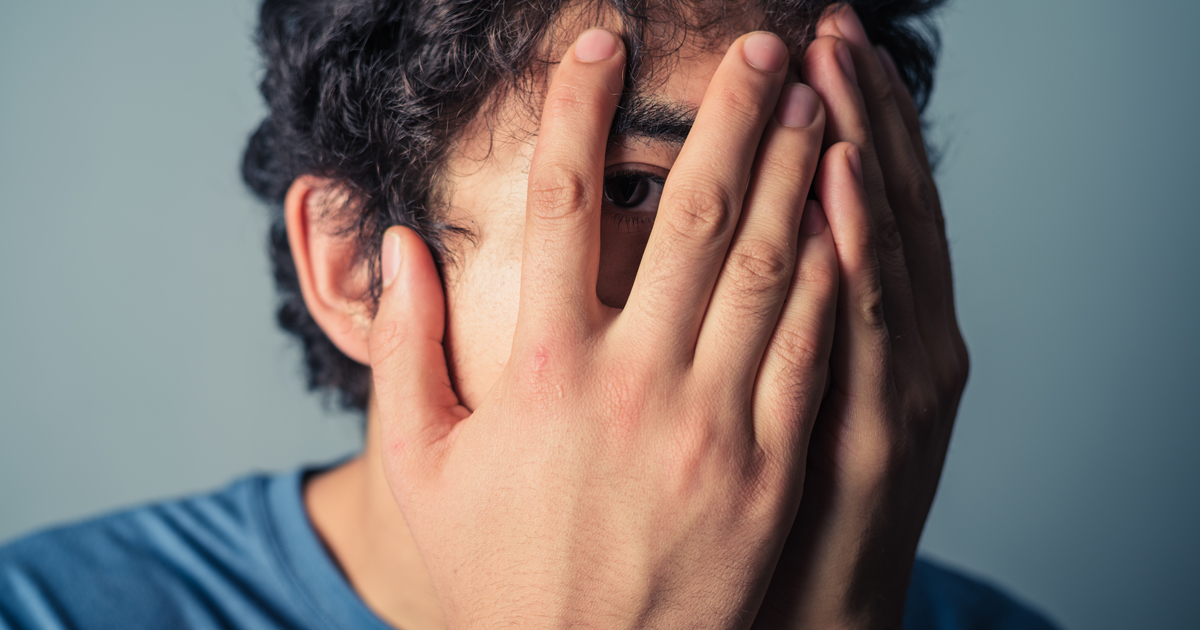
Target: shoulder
169 564
940 598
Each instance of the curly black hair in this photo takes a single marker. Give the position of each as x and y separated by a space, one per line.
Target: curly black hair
371 93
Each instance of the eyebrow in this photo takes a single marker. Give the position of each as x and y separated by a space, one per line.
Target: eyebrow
646 118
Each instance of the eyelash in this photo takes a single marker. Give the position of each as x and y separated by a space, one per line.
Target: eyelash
633 222
630 223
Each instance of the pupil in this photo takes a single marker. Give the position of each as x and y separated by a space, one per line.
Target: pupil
626 191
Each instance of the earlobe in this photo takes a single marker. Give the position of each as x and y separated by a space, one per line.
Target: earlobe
332 281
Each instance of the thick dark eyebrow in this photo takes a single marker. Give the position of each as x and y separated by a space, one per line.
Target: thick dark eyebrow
643 118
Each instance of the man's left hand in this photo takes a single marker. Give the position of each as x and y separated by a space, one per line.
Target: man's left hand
899 362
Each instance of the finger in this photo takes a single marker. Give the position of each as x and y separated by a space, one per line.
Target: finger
912 120
866 351
829 68
910 189
844 453
703 196
408 363
908 109
896 136
862 350
794 368
759 267
562 228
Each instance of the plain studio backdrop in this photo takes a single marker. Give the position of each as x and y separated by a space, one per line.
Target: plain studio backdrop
139 358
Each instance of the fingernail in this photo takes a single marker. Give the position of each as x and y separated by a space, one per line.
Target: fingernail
852 28
765 51
845 60
855 161
813 222
390 262
596 44
797 106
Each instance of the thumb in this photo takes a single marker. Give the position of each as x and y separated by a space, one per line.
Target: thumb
417 406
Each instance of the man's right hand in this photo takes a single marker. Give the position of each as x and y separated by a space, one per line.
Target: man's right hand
635 467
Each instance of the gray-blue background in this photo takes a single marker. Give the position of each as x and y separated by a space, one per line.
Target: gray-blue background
138 358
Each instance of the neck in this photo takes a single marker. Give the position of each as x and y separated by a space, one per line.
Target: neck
353 511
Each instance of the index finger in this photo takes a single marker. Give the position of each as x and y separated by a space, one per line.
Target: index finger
703 196
562 229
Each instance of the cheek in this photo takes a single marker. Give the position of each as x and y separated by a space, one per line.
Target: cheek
483 293
483 285
481 311
483 297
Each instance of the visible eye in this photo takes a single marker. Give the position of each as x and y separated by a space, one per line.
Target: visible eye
633 195
626 190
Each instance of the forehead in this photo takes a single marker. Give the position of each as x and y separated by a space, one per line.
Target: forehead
673 52
673 49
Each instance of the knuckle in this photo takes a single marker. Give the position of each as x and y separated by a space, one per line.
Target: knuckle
756 267
880 85
692 445
779 171
939 219
822 47
799 356
739 103
887 233
557 193
870 306
567 101
813 276
919 194
964 361
699 211
924 192
860 258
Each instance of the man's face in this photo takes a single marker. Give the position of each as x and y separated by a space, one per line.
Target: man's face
486 180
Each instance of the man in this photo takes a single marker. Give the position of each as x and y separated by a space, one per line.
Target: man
647 332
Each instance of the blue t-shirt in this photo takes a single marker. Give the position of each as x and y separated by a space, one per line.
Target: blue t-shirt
247 558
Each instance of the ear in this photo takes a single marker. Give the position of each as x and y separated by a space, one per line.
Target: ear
332 282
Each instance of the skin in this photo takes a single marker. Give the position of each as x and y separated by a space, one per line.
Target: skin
656 453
